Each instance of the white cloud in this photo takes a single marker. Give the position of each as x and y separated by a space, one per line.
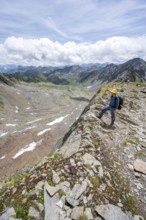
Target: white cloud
43 51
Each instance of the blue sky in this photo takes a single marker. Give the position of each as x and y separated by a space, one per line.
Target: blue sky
61 32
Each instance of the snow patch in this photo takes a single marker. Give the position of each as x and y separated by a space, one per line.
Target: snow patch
12 125
58 120
3 134
26 129
14 132
44 131
29 147
30 122
17 109
33 113
3 157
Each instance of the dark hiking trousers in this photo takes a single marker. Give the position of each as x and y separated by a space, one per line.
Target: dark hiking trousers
112 110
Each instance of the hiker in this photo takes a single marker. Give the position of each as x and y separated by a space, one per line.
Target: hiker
114 103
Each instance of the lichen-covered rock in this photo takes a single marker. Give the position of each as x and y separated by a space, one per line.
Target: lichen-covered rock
140 166
78 190
89 159
39 185
70 149
88 213
56 178
52 190
71 201
77 211
51 209
34 213
138 217
111 212
8 213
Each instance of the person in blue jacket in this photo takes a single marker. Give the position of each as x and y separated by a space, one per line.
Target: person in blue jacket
114 103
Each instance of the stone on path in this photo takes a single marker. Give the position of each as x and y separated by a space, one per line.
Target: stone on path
111 212
39 185
34 213
8 213
77 211
78 190
52 190
56 178
51 209
89 159
138 217
70 149
140 166
71 201
89 214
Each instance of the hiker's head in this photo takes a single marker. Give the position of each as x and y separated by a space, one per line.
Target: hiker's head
113 91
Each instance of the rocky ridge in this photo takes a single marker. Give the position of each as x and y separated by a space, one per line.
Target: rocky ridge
5 80
98 173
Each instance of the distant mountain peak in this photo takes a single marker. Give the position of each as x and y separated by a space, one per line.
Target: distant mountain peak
132 70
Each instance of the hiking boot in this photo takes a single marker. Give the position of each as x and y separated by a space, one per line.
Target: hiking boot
111 126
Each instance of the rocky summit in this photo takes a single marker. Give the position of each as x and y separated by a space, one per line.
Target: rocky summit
99 172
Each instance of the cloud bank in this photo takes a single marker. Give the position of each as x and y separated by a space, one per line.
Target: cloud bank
44 52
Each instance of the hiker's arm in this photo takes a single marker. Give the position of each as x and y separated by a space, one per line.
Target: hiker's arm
117 102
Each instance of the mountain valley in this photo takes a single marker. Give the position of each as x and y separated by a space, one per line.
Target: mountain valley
33 120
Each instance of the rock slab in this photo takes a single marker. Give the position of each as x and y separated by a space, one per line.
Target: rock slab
140 166
111 212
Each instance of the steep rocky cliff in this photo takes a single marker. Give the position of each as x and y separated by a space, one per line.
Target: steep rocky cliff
5 80
98 172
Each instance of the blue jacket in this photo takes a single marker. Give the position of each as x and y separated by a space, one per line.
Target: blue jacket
114 102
